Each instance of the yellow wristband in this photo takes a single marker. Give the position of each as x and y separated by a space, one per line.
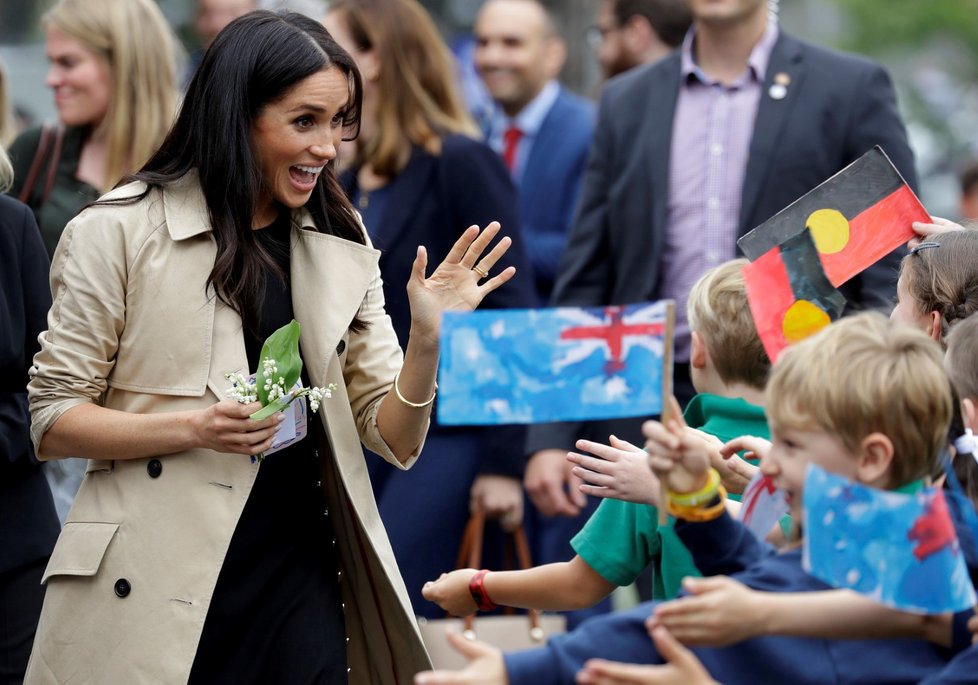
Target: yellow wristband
699 514
698 497
416 405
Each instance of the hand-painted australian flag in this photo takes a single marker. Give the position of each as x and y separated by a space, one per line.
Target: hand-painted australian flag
899 549
559 364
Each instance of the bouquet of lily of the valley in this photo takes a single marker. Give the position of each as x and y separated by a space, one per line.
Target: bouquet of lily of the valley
277 385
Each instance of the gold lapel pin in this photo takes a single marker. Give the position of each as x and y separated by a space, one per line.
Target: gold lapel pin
779 89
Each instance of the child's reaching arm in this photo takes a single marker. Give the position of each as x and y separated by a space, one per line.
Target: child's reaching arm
562 586
721 611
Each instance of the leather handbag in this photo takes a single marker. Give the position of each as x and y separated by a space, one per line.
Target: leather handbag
509 631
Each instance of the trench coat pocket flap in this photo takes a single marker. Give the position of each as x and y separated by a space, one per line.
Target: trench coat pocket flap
80 549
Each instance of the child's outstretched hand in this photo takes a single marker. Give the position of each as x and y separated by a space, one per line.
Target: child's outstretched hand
752 447
619 470
681 667
718 611
678 456
451 592
486 665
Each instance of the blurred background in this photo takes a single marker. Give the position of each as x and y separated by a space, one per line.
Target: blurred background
929 46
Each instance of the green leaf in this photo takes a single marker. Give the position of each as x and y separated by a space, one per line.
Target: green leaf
268 410
283 347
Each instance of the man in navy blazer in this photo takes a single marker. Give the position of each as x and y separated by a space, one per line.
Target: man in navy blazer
541 129
692 152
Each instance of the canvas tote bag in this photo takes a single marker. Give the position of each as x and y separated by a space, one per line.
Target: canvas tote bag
509 632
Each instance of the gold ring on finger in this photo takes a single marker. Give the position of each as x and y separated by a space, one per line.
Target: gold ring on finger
479 270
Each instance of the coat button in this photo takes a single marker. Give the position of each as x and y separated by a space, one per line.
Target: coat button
154 468
122 588
340 347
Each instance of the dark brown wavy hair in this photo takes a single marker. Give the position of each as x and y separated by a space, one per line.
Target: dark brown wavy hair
253 62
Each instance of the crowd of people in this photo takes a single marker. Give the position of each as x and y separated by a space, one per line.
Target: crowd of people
329 170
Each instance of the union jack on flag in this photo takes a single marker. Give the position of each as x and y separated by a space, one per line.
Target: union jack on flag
559 364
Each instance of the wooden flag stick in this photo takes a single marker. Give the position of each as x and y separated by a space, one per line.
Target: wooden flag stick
667 401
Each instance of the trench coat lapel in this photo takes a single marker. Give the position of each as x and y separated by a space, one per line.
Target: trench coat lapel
330 278
187 219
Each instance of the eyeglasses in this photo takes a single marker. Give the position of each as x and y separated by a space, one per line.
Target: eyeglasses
595 35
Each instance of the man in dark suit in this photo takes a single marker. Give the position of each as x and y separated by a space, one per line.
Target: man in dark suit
542 131
689 154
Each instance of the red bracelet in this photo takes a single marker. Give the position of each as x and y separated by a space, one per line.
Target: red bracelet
477 587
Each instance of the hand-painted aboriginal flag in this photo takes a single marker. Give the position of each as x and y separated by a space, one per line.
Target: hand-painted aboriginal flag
899 549
822 240
560 364
790 297
856 218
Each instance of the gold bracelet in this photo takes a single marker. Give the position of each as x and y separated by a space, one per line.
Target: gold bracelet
413 404
700 514
698 497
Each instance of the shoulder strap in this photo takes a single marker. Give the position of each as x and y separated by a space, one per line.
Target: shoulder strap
55 161
47 133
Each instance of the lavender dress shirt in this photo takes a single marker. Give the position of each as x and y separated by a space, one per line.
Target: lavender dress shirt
710 145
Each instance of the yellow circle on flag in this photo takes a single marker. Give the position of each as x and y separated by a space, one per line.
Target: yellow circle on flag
830 230
801 320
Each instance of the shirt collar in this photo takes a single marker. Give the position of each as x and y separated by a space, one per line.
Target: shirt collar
531 117
757 62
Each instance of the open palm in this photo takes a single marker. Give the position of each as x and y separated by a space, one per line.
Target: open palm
455 283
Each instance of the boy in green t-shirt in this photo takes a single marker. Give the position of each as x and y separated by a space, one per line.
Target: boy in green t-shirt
729 369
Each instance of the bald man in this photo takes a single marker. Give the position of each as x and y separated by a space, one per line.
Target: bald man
542 130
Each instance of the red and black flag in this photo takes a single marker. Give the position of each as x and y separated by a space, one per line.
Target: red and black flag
856 218
790 296
801 254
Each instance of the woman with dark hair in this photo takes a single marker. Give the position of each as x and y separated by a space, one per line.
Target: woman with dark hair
184 559
418 173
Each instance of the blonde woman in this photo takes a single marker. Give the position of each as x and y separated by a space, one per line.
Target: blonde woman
113 73
28 523
418 174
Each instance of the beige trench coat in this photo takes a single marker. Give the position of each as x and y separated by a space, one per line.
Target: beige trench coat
132 328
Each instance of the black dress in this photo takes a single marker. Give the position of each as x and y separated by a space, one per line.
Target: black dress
276 614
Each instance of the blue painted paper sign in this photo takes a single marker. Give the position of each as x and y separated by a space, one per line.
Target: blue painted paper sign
899 549
558 364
